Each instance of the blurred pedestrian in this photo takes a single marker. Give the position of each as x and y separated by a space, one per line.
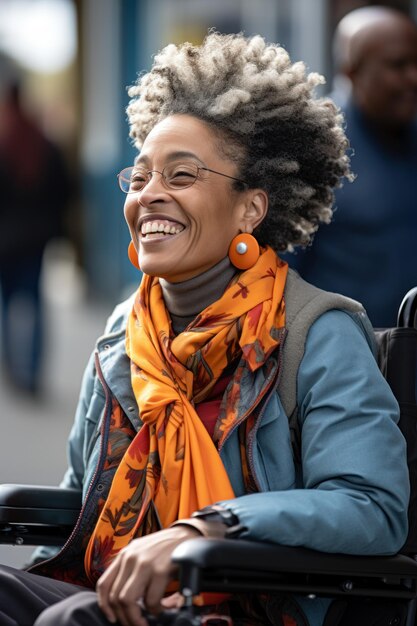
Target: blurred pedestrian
34 189
369 252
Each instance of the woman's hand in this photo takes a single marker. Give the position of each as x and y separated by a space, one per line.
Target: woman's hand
141 571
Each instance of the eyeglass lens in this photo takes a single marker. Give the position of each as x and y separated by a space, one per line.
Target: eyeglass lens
174 176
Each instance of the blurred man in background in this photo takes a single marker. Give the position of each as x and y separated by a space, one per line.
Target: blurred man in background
369 252
34 189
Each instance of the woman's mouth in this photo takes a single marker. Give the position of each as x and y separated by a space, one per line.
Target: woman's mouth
156 229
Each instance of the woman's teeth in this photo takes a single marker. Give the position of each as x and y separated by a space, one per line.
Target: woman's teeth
158 227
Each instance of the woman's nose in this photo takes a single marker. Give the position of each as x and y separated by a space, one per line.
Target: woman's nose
153 190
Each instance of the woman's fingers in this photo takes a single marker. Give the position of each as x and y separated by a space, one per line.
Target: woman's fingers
174 601
103 589
119 598
140 572
155 589
127 588
127 605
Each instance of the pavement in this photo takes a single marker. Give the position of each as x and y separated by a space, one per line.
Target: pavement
34 430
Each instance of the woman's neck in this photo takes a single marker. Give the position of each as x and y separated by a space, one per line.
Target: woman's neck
186 299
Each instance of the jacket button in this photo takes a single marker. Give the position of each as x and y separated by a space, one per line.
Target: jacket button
131 409
107 346
100 487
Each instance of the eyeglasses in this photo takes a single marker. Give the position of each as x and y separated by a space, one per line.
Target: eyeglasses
174 176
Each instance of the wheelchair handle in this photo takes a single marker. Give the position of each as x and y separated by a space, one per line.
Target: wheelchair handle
407 313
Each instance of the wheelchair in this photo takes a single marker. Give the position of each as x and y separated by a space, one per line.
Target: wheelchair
33 515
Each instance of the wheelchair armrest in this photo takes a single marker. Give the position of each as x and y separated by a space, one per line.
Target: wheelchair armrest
33 514
240 565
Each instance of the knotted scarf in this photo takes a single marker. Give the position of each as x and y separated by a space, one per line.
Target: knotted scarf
172 467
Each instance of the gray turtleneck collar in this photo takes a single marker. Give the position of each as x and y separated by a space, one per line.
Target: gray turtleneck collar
186 299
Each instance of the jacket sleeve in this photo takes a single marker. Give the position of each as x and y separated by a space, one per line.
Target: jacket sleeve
355 479
75 473
89 407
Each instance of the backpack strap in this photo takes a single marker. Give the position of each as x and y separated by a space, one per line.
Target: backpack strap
304 303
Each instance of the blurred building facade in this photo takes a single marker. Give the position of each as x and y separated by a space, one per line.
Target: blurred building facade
116 39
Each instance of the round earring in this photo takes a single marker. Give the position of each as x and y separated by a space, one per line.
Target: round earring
244 251
133 255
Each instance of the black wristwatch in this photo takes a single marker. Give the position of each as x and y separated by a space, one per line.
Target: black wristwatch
218 513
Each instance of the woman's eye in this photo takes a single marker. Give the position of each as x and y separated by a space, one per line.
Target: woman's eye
138 178
179 173
137 181
181 177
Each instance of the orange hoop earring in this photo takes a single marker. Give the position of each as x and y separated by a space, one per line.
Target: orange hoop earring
133 255
244 251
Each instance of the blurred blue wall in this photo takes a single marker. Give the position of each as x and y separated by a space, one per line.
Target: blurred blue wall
111 35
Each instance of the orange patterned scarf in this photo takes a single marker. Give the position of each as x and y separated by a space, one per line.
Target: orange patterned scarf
172 467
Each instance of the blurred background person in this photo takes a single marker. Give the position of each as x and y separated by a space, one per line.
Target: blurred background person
34 191
369 252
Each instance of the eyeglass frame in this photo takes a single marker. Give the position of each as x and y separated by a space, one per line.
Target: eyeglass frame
165 183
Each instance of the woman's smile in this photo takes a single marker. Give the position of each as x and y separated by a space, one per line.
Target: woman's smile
154 228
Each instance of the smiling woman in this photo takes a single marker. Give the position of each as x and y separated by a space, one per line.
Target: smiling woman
181 429
202 209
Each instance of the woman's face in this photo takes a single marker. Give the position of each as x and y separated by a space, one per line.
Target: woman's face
201 219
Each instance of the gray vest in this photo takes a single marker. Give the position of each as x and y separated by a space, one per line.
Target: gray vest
304 303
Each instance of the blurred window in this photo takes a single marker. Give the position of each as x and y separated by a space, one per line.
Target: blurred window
39 34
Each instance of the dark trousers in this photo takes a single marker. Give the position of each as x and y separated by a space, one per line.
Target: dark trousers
30 600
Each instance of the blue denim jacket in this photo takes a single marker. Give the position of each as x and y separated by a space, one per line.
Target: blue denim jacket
351 492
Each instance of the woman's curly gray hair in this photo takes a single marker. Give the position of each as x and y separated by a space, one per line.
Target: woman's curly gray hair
283 138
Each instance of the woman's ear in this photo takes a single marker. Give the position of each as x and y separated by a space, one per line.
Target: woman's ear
255 209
